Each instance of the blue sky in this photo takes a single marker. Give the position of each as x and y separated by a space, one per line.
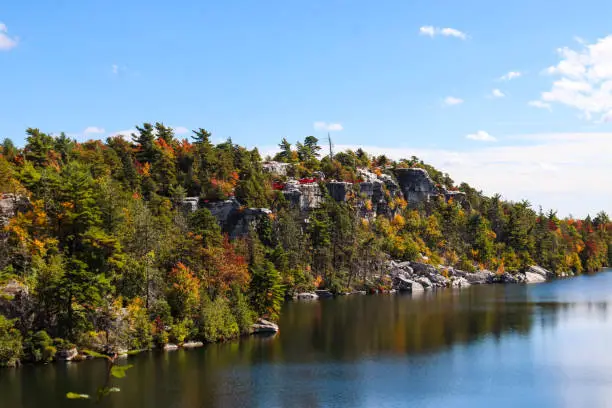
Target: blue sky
406 77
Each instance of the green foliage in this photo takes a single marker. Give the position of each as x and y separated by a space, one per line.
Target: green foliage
216 320
10 343
266 290
38 347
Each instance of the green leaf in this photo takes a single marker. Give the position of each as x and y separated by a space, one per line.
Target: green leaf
119 371
96 355
74 395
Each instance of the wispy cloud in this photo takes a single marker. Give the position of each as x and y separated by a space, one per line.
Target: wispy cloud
481 136
540 104
451 101
546 169
584 80
511 75
432 31
180 130
497 93
6 42
91 130
115 69
327 127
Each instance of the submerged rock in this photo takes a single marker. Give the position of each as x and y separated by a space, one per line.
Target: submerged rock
193 344
306 296
264 326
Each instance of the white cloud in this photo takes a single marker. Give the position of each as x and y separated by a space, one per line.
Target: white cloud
451 100
481 136
496 93
584 79
93 130
180 130
6 42
510 75
115 69
551 170
327 127
539 104
427 30
432 31
126 134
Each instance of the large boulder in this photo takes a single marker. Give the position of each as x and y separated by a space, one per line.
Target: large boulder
425 282
439 281
531 277
402 283
190 204
264 326
423 268
538 270
235 220
480 277
459 282
67 354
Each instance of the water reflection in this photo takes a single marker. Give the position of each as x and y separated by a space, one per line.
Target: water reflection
366 350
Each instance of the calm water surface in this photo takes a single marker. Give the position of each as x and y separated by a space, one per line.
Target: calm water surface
546 345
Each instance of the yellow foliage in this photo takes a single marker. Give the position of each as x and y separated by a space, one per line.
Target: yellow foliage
398 221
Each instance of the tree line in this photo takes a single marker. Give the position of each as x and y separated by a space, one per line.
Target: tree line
107 255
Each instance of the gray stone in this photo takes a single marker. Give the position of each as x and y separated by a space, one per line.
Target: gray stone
10 205
438 280
67 355
170 347
425 282
264 326
306 296
324 293
531 277
479 278
190 204
277 168
459 282
416 185
545 273
193 344
339 190
402 283
423 268
304 197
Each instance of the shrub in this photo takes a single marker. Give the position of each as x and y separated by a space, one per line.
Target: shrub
39 347
216 320
180 330
241 310
10 343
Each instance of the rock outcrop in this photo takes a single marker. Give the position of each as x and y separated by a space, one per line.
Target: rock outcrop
10 205
538 270
402 283
304 197
277 168
234 219
339 190
416 185
190 204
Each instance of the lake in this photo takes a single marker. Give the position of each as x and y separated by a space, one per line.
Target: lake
544 345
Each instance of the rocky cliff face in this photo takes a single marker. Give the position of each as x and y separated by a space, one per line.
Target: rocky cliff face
416 185
305 197
234 219
10 205
339 190
277 168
